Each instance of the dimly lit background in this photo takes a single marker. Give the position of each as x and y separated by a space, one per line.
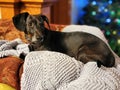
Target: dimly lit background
104 14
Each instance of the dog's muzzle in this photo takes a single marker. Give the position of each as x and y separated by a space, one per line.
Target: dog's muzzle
40 39
36 44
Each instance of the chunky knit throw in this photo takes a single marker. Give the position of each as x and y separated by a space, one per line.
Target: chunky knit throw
47 70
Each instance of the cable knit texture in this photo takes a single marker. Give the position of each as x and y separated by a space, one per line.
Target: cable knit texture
47 70
94 78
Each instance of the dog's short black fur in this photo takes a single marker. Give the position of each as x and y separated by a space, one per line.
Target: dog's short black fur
83 46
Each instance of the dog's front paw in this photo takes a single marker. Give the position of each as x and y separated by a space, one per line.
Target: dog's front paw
22 56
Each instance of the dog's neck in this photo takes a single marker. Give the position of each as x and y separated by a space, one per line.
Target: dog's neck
48 33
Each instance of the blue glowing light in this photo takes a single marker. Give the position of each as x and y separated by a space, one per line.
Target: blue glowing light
110 1
94 2
106 10
108 20
102 8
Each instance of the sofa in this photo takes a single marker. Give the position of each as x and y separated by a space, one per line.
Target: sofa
90 76
10 67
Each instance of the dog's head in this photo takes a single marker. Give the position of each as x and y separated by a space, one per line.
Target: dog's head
31 25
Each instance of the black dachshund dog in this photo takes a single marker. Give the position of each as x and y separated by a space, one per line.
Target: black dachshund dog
80 45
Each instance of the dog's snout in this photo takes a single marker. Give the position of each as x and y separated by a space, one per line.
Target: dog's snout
40 38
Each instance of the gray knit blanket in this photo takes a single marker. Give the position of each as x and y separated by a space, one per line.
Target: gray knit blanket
47 70
14 48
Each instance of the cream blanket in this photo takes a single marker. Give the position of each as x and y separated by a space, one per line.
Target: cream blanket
46 70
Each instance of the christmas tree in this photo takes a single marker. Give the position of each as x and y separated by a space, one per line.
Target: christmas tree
105 14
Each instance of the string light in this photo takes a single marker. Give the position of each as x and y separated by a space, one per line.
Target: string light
118 21
93 13
108 20
114 32
110 1
106 10
118 41
106 15
108 33
99 10
112 13
94 3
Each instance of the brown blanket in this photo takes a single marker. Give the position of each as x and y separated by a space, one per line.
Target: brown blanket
9 71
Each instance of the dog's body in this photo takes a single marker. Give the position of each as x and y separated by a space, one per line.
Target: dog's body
83 46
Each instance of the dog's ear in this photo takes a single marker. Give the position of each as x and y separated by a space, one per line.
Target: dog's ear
42 18
19 21
45 19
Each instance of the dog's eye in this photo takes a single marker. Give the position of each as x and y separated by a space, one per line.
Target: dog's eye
30 24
